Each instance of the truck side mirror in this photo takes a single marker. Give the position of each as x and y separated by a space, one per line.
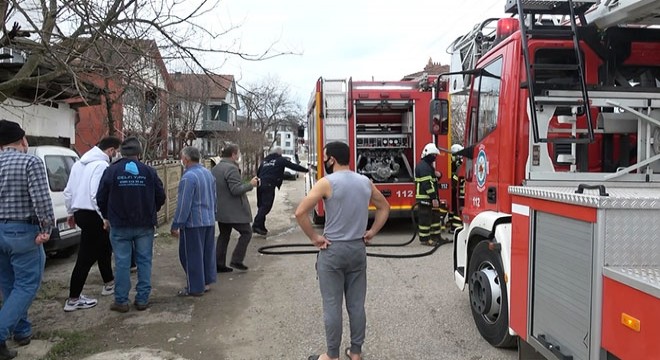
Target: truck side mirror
439 117
301 131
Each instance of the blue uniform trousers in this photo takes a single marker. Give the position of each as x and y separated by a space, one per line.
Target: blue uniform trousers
197 255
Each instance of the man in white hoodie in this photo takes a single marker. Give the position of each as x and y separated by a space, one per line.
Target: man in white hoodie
80 200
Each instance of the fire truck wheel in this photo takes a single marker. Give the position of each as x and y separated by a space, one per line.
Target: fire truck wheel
316 219
488 298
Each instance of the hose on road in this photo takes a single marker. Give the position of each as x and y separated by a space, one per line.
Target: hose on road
269 249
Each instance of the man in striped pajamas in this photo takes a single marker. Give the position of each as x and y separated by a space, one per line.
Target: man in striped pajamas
194 224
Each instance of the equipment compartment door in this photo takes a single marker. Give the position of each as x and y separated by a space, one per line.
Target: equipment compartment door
561 284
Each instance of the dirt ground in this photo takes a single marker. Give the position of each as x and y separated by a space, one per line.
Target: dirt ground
167 324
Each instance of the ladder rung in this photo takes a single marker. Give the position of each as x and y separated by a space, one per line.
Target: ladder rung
559 102
557 7
550 33
565 67
566 140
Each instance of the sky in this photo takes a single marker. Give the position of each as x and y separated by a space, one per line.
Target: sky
365 40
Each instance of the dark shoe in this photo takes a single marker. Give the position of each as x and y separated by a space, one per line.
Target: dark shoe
224 269
260 231
141 307
239 266
122 308
23 341
6 353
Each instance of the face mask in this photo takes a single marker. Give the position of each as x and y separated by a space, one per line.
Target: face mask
328 168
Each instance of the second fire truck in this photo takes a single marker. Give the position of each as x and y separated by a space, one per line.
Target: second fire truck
386 125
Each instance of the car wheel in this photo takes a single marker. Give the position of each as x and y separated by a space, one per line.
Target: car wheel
64 253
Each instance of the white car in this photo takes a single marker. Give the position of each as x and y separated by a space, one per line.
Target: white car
290 173
58 161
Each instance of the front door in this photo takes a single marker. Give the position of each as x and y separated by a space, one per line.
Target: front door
484 138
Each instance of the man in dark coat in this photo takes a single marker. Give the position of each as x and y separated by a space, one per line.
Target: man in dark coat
270 174
233 209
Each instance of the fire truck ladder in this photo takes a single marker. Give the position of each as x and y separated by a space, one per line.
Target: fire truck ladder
531 28
335 110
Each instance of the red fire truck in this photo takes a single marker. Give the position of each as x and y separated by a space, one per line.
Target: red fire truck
386 125
560 245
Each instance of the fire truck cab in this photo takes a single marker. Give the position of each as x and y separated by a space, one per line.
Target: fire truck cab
560 247
386 125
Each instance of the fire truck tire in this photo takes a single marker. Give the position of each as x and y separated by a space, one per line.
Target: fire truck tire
488 297
317 219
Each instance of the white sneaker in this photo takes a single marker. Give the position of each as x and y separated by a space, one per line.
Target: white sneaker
108 289
83 302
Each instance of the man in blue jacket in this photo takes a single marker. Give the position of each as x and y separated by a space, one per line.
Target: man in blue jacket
194 224
270 174
129 196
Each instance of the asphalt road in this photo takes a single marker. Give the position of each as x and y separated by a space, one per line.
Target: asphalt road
273 311
414 309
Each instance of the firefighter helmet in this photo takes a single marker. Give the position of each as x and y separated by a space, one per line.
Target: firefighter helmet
456 148
429 149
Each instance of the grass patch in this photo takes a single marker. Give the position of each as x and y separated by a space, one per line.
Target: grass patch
49 290
68 344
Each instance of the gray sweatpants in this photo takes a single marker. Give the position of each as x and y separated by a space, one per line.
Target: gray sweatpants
342 270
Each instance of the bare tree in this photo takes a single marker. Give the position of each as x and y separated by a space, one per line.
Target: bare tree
268 106
187 103
458 118
57 39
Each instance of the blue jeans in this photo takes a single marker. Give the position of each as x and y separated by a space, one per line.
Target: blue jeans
21 268
124 240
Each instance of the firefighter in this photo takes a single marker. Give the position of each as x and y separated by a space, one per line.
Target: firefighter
457 188
428 204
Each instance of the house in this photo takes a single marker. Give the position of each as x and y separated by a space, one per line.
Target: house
203 110
285 139
46 109
431 68
136 85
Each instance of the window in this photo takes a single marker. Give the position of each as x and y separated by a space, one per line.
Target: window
287 144
58 168
486 92
288 136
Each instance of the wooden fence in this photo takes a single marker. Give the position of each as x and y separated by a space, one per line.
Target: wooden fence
169 172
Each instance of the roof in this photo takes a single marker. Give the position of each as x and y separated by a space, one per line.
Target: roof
431 68
203 86
122 53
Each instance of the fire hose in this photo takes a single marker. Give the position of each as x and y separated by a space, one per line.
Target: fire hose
269 250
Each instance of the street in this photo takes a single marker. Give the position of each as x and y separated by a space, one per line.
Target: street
272 311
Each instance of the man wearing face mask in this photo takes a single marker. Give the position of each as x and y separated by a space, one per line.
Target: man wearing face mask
80 201
342 260
271 174
26 221
428 205
233 209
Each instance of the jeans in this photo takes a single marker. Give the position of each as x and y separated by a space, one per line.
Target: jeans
21 268
265 199
123 240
